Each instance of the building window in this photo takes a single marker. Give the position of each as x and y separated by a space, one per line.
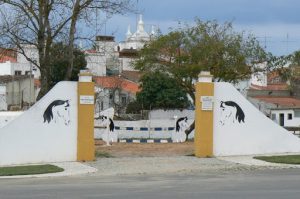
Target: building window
27 72
124 100
290 116
18 72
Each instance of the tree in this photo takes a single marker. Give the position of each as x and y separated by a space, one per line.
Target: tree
59 63
208 46
41 22
161 91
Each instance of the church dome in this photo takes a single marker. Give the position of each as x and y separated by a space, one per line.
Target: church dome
140 34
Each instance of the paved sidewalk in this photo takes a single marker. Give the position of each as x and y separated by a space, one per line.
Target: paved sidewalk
250 161
159 165
70 169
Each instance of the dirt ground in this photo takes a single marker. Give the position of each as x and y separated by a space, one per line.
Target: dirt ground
145 150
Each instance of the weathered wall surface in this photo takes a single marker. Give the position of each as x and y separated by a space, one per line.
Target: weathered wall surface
245 130
39 136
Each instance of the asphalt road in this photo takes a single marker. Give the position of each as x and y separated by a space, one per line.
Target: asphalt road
271 184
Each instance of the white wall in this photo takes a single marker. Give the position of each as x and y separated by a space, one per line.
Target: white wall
96 63
7 116
18 90
106 47
30 139
6 68
256 135
126 64
24 65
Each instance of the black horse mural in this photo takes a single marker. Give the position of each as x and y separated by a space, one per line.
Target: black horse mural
231 112
106 119
58 111
180 123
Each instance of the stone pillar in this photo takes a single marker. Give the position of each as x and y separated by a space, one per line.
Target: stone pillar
85 136
204 115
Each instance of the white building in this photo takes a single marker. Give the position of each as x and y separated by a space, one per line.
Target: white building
13 63
110 57
287 117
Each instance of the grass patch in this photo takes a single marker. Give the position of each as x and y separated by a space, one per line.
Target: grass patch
285 159
29 170
101 154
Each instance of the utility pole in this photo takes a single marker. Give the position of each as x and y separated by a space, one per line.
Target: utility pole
265 40
287 41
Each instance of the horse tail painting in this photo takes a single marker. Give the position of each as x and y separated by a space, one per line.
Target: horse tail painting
57 110
111 125
231 111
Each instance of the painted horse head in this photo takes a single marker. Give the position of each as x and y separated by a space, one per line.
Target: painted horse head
231 111
58 110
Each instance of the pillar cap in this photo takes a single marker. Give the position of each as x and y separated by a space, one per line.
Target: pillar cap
85 76
205 76
85 73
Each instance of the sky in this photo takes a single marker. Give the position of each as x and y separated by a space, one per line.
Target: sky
275 23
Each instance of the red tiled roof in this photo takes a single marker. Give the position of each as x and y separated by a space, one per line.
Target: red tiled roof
281 86
91 51
280 101
115 81
5 58
7 54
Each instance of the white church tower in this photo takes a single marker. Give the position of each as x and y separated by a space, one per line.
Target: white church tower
138 39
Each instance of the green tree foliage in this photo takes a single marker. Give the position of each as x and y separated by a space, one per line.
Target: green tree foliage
134 107
208 46
161 91
59 63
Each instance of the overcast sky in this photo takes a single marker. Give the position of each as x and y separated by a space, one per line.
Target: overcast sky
276 23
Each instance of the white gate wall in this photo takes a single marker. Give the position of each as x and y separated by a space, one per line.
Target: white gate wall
31 139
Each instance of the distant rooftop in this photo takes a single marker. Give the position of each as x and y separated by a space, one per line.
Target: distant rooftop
281 102
111 82
278 87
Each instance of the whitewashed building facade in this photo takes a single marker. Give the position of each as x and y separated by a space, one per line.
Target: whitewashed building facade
112 57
